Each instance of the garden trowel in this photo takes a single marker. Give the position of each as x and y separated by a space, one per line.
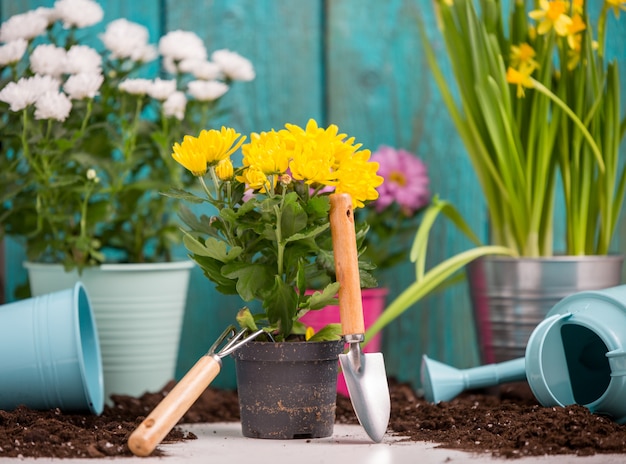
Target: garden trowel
364 372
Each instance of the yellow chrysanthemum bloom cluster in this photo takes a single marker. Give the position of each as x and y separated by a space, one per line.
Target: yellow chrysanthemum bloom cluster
211 147
315 156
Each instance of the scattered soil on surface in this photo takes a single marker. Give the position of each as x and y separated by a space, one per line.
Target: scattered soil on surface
504 422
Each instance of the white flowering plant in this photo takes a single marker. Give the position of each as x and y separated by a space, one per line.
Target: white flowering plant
87 136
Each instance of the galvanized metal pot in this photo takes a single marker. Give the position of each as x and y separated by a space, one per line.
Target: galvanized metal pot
511 296
287 390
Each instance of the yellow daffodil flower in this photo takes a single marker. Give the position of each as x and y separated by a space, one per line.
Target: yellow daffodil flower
523 53
578 6
520 77
616 5
574 29
552 16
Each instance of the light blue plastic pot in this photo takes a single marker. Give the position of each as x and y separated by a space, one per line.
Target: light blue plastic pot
49 353
576 355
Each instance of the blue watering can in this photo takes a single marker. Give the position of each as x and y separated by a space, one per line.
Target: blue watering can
576 355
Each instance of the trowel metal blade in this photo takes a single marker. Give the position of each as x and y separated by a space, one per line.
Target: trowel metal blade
369 392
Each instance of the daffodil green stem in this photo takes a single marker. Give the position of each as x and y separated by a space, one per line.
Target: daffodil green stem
594 147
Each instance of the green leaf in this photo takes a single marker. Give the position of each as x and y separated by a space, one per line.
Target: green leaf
253 280
213 271
281 305
328 296
179 194
293 218
312 233
327 333
212 248
245 319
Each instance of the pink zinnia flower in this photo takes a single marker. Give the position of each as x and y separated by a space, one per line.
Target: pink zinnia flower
406 180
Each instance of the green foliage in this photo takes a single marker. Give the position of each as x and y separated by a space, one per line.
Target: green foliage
562 120
271 248
438 276
87 189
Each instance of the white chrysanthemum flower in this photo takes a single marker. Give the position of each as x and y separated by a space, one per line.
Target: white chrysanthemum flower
48 59
53 105
136 86
16 96
201 69
78 13
23 26
126 39
83 85
161 89
175 105
12 52
207 90
146 54
180 45
27 90
233 65
169 65
82 59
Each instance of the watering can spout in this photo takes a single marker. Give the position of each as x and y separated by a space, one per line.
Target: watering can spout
576 355
442 382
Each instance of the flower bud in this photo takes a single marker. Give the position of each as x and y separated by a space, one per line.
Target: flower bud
224 169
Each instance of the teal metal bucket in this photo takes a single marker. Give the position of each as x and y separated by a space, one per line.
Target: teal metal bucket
50 353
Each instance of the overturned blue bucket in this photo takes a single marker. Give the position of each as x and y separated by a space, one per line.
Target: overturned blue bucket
576 355
50 356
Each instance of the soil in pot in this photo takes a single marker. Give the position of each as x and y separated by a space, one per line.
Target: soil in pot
507 422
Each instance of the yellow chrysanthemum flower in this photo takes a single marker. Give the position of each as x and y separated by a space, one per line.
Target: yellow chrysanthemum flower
224 169
314 164
219 145
190 155
267 152
256 179
552 16
358 177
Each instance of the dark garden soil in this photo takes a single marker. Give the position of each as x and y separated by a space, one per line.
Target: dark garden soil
506 422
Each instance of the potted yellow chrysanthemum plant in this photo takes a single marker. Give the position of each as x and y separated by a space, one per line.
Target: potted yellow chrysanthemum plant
263 233
537 100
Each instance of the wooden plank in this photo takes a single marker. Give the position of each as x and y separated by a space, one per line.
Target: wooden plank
283 40
380 90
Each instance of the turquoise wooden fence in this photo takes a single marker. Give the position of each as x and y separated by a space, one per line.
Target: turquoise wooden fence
358 64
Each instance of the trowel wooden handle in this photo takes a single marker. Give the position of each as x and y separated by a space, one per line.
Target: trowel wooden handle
346 264
168 412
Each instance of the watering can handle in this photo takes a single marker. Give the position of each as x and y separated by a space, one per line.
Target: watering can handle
168 412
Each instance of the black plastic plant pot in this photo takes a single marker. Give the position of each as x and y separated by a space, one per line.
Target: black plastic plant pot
287 390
